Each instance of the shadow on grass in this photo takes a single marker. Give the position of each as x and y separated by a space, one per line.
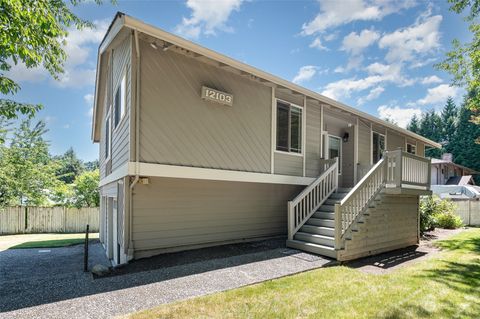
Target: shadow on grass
468 245
389 259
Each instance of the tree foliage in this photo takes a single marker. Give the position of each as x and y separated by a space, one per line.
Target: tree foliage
69 166
463 61
33 33
85 189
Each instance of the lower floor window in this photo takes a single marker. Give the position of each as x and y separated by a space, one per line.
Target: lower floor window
411 148
378 146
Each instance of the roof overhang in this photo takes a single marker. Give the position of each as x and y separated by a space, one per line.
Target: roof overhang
121 20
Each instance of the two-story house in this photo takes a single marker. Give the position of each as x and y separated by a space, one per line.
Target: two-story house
198 149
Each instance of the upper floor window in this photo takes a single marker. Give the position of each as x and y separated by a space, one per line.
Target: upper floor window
289 128
378 146
120 101
411 148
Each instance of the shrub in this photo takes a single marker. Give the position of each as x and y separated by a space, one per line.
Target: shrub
436 212
448 220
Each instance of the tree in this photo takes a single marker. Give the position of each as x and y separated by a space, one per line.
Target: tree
431 128
92 165
33 33
463 62
465 151
449 126
413 125
86 189
26 168
69 166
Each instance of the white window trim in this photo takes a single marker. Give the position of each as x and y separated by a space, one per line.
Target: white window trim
108 118
301 154
327 155
123 98
371 143
414 145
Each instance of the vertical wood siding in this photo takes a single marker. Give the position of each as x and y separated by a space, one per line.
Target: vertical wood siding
19 220
183 212
179 128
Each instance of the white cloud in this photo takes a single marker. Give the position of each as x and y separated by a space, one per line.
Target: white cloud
336 13
207 17
418 39
331 36
400 115
431 80
438 94
305 74
378 74
317 43
374 93
355 43
88 98
77 70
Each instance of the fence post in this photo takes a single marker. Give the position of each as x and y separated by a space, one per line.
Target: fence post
85 254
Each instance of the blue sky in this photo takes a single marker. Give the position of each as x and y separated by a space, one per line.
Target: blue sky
374 55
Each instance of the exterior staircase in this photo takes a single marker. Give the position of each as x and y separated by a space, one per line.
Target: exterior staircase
317 235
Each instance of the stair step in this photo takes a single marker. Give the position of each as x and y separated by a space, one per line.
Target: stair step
315 238
344 190
324 215
313 248
324 222
318 229
337 195
332 201
327 208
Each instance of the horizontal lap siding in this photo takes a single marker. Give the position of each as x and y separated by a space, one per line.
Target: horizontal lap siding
288 164
179 128
120 136
182 212
364 150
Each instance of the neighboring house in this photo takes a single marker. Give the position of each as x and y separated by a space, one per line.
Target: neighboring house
198 149
446 172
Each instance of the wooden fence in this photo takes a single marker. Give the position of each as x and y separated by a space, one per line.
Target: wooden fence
23 220
469 211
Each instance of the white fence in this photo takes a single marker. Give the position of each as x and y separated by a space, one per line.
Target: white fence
469 212
22 220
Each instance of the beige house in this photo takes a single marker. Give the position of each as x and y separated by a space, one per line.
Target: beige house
446 172
198 149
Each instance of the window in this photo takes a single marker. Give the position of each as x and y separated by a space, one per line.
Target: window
120 100
289 128
107 137
378 146
411 148
335 150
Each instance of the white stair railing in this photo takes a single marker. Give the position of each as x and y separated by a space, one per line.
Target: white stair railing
302 207
396 169
357 200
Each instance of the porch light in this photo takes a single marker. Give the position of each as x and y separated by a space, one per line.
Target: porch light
345 137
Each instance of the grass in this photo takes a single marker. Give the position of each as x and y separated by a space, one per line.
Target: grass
67 240
445 285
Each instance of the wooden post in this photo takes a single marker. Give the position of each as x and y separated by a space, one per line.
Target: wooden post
336 174
338 226
398 168
85 252
291 220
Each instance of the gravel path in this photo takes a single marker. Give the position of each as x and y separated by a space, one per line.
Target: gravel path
61 290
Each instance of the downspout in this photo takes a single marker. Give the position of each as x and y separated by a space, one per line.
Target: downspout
137 142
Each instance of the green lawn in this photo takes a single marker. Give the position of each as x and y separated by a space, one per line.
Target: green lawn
445 285
67 240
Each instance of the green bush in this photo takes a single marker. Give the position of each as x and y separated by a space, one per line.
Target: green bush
436 212
448 220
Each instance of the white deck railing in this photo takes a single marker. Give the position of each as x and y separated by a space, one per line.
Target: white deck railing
302 207
396 169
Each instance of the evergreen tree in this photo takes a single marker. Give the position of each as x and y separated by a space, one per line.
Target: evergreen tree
431 128
449 124
465 151
414 124
70 166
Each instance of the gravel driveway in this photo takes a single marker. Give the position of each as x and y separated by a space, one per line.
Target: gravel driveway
39 284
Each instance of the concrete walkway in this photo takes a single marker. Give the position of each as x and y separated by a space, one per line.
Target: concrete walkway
73 294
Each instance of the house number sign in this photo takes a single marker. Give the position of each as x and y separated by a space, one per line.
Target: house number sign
217 96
